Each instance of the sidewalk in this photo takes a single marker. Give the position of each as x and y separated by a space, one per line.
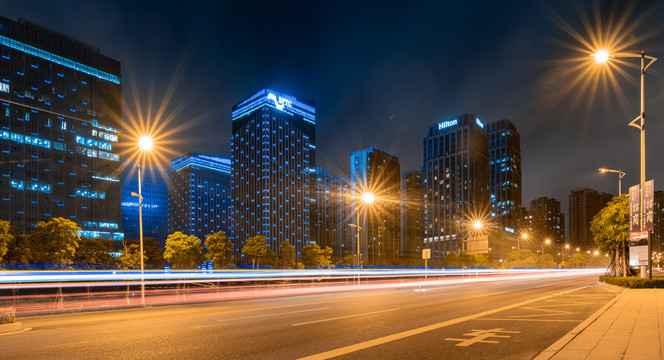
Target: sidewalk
631 326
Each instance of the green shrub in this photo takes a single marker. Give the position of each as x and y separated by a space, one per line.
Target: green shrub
633 282
7 315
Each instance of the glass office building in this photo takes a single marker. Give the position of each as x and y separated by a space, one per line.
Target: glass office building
505 163
59 116
198 195
154 189
273 156
378 172
456 181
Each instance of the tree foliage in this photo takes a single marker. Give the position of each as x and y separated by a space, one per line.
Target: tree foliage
348 259
313 255
219 249
255 248
55 240
151 250
287 255
95 251
610 228
130 258
183 251
6 238
18 249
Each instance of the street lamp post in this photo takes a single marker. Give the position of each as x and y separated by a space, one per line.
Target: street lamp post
524 236
603 56
145 144
620 173
565 249
547 242
366 198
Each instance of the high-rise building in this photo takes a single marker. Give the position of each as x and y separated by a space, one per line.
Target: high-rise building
198 195
322 224
377 172
548 222
658 222
583 205
60 118
505 170
412 214
341 215
154 189
456 181
273 157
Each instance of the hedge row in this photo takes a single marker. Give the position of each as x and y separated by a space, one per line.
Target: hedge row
633 282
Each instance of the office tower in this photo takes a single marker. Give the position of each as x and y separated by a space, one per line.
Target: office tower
320 209
505 170
342 215
456 182
154 189
658 223
377 172
273 157
583 205
60 118
412 214
548 222
198 195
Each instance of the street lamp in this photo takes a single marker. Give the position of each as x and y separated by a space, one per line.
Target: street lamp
620 173
145 144
565 249
524 236
545 242
603 56
367 198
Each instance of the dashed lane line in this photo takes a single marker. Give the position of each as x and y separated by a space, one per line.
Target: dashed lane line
404 334
344 317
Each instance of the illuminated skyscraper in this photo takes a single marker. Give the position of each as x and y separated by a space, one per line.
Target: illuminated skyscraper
60 115
198 195
154 189
375 171
548 222
456 182
273 158
505 170
322 225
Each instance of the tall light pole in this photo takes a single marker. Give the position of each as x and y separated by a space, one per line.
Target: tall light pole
524 236
366 198
565 249
620 176
603 56
547 242
145 144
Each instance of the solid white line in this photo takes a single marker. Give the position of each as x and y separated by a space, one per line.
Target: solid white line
344 317
275 314
404 334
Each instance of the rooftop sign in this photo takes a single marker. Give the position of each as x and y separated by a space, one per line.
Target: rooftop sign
447 123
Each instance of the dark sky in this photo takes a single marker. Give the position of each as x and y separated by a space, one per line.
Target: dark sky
382 72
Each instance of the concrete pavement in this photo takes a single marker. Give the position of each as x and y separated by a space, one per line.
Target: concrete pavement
631 326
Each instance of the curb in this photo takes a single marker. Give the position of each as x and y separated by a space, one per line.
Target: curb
552 350
6 328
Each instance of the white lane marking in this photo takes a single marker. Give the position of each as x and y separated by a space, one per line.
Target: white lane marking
274 314
344 317
16 332
440 294
404 334
496 293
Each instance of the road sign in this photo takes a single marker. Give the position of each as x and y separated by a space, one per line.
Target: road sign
426 254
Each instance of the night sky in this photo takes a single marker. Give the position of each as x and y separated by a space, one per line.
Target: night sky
382 72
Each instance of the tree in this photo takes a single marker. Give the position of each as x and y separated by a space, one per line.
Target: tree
270 258
55 240
348 259
183 251
481 260
610 228
451 260
287 258
255 248
313 255
18 249
219 249
94 251
6 238
152 250
130 257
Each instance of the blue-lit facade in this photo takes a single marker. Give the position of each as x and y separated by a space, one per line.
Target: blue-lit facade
455 177
154 189
59 116
505 170
378 172
198 195
273 157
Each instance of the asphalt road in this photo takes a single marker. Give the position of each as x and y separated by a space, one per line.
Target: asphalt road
494 319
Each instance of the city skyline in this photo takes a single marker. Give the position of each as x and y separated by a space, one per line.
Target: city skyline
410 77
